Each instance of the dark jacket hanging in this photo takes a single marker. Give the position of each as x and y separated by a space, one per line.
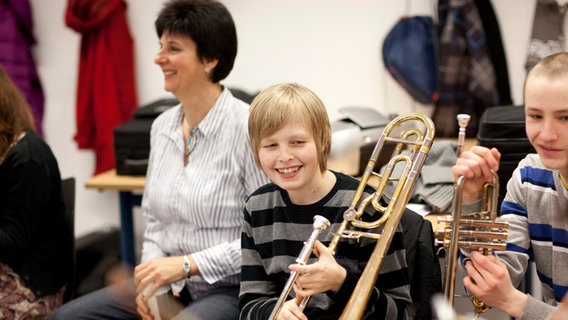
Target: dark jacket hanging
496 50
467 77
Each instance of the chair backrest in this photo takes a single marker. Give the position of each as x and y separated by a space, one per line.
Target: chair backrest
68 191
423 264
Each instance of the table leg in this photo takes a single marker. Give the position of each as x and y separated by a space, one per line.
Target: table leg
127 201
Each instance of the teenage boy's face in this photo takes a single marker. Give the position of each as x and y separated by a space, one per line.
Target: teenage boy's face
289 157
546 108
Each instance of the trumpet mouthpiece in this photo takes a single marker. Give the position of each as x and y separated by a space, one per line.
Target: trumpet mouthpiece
320 223
463 120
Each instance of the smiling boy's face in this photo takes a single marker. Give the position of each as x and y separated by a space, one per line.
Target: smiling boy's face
289 158
546 109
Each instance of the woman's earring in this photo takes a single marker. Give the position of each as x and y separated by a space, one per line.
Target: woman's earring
207 70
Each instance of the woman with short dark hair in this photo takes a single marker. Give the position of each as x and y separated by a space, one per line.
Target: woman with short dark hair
196 186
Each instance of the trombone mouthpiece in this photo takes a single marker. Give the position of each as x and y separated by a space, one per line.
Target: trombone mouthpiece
463 120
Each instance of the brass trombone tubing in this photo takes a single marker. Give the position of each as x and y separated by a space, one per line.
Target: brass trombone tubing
357 303
419 148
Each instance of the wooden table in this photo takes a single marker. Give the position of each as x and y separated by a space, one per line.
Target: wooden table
129 188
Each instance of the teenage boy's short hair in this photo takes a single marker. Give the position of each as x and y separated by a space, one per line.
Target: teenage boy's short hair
280 103
551 67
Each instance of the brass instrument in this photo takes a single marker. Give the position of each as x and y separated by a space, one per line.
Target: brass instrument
320 224
481 230
416 132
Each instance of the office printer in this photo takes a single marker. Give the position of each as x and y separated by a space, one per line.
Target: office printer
132 138
353 138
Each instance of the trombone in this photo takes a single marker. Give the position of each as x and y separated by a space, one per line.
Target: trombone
413 133
481 230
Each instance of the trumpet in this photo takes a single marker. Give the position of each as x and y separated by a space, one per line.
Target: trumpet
413 133
482 230
320 224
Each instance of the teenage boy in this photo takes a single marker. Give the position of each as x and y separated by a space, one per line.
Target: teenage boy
536 203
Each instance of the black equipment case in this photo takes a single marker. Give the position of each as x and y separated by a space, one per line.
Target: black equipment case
132 138
503 127
96 255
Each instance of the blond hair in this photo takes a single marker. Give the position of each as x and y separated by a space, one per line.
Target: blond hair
552 67
276 105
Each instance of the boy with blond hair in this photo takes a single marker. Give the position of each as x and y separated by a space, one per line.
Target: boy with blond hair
291 138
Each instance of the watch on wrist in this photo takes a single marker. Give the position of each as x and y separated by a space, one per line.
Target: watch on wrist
187 267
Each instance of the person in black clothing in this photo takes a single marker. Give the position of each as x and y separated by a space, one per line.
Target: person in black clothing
35 243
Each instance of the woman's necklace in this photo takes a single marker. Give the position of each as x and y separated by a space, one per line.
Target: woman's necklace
190 145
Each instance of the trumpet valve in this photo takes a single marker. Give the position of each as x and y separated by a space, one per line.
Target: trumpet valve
481 233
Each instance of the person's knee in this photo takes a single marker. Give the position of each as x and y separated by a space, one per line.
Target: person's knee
219 305
106 303
62 312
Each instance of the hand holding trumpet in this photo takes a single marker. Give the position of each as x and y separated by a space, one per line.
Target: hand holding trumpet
489 280
324 275
476 165
321 276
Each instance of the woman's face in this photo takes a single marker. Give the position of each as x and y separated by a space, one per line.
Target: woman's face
180 63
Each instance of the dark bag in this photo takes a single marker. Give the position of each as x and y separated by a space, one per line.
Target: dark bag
410 56
132 138
503 127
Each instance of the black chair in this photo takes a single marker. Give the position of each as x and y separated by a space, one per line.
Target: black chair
423 263
68 190
243 95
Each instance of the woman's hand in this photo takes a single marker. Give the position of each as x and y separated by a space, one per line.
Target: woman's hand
157 273
142 308
489 280
477 165
324 275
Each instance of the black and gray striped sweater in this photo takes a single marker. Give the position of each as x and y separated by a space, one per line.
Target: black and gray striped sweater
274 232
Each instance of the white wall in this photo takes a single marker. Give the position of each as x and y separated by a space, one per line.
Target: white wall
332 46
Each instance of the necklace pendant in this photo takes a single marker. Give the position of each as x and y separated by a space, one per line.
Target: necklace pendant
190 145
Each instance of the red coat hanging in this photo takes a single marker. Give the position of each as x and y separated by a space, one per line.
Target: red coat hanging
106 90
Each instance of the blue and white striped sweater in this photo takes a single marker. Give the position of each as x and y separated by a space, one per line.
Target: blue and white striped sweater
536 206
